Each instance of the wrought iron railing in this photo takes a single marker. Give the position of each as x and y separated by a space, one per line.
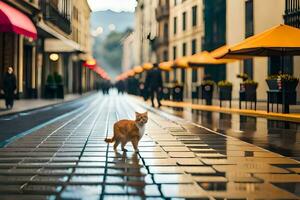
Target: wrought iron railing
292 13
52 14
162 12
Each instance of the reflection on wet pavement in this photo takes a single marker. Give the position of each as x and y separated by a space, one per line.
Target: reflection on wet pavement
177 160
277 136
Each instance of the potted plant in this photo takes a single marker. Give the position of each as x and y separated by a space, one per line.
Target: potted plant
244 77
50 87
225 91
207 88
59 85
248 92
287 82
272 82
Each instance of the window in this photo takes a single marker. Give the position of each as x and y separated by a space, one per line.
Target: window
248 68
194 46
275 63
165 55
174 52
184 21
166 31
175 25
182 75
194 75
194 16
249 18
184 49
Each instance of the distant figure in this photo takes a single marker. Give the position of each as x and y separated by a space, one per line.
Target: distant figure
120 85
154 84
9 87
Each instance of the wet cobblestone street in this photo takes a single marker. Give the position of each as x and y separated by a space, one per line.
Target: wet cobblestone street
68 159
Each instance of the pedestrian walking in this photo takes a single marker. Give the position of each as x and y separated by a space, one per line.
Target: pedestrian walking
9 87
154 84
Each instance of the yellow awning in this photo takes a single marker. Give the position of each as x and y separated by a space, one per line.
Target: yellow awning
182 62
130 73
280 40
138 69
203 58
147 66
166 66
219 52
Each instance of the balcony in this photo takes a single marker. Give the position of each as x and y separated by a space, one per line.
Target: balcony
292 13
292 18
162 41
162 12
52 14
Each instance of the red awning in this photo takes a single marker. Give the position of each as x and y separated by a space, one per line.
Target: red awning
12 20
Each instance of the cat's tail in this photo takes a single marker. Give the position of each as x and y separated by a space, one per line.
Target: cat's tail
110 140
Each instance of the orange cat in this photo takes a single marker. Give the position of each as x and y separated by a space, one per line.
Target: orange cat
129 130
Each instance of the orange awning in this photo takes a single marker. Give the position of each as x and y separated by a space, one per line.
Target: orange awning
203 58
217 53
138 69
182 62
147 66
280 40
166 66
130 73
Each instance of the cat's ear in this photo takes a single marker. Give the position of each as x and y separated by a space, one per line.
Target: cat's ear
136 113
146 113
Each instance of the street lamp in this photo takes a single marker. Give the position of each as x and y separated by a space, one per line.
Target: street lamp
54 56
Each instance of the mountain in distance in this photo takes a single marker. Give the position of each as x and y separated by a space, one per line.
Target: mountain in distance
121 20
107 48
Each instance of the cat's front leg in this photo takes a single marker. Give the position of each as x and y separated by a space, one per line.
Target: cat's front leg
135 142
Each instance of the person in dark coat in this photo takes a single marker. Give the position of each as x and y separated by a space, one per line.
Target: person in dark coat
9 87
154 84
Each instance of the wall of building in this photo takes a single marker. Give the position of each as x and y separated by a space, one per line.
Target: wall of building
185 37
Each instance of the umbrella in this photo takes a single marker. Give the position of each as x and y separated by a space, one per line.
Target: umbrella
166 66
181 62
147 66
281 40
204 58
138 69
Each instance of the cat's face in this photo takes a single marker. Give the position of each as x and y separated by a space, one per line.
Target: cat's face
141 118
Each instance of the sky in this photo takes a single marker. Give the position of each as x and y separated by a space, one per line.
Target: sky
115 5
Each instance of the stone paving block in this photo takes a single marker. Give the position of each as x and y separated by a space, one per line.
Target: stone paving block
189 162
181 154
84 192
176 149
199 170
160 162
26 197
183 191
166 170
41 189
87 179
172 178
57 180
10 189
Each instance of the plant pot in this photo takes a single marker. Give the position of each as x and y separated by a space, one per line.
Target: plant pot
272 84
225 93
60 91
166 92
290 85
207 93
177 93
50 91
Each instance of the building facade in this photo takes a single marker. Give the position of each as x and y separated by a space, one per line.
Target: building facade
129 58
146 30
185 38
253 20
62 33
